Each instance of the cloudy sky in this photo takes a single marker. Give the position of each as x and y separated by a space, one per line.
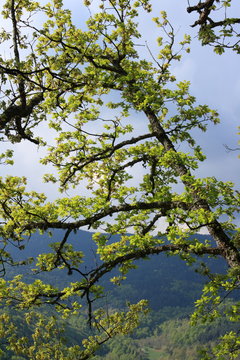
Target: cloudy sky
215 80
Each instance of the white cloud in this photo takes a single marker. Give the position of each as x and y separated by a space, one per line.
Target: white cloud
185 69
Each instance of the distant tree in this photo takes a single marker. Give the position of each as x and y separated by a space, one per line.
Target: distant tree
124 142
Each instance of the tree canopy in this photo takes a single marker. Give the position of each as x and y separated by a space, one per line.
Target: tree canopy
124 147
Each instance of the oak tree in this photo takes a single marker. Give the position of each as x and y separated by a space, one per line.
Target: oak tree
124 143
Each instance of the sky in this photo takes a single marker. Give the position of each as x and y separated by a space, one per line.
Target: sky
215 80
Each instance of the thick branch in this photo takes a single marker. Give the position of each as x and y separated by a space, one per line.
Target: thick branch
96 274
215 229
139 254
163 206
201 6
203 9
17 112
228 21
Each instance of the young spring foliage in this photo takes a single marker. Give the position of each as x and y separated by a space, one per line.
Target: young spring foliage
124 142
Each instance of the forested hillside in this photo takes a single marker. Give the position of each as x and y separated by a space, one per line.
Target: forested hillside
170 286
163 280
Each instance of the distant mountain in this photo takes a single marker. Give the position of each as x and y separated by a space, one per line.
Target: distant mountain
163 280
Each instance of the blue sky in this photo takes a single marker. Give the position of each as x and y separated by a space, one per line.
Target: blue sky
215 81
